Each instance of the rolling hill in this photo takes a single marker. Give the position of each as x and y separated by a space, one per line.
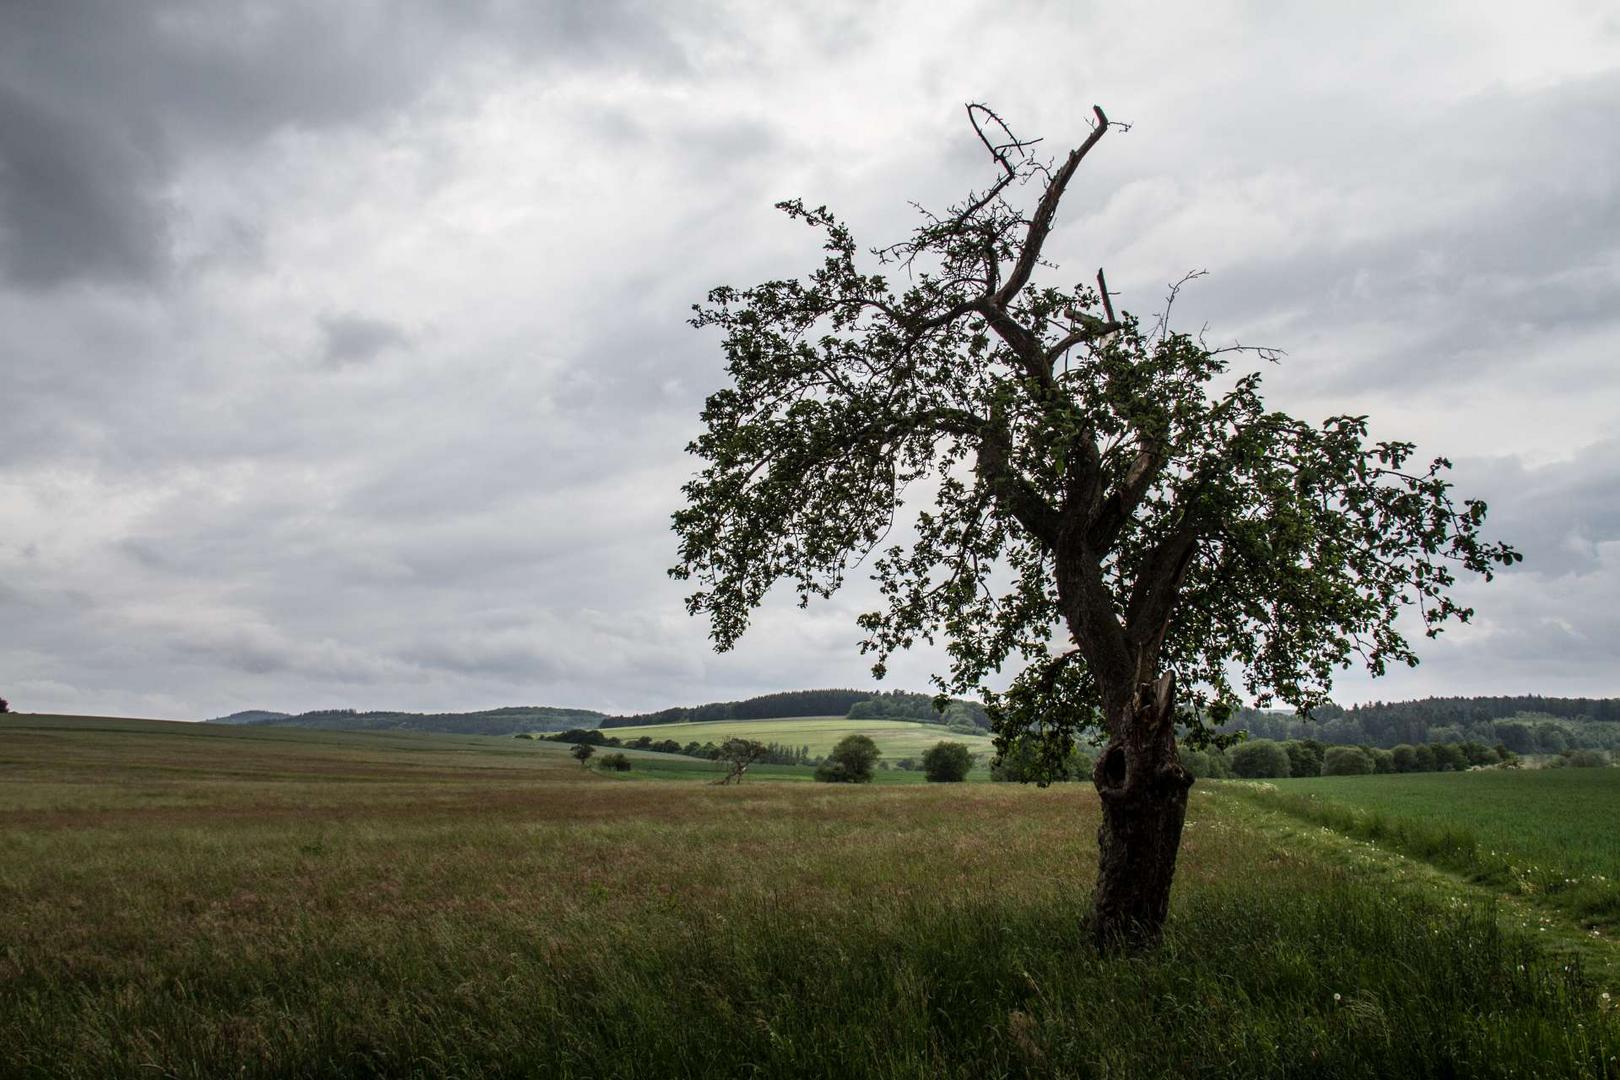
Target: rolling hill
504 721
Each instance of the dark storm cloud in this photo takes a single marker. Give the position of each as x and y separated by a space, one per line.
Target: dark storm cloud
100 100
76 198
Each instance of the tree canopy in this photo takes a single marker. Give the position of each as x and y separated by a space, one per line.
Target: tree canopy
1215 533
850 761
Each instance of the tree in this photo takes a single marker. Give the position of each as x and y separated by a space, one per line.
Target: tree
1304 757
617 761
5 706
947 762
1347 761
1260 759
850 761
737 755
1107 503
582 752
1448 757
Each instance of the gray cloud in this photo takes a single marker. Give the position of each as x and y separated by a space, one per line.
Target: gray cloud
346 362
101 101
355 339
1561 515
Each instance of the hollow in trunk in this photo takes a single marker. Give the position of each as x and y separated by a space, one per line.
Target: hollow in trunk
1143 786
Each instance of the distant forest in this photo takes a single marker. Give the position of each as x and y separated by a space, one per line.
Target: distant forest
1526 724
855 704
764 707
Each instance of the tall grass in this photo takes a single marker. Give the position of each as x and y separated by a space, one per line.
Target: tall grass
502 922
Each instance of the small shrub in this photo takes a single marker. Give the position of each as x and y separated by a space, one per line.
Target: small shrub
1586 759
947 762
616 762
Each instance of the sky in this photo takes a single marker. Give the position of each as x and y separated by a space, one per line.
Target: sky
343 355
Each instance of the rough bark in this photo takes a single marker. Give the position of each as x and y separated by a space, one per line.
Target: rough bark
1143 786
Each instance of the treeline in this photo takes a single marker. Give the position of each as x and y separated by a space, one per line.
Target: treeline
1266 759
775 753
1525 724
966 717
503 721
764 707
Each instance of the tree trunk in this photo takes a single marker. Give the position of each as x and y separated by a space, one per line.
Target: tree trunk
1143 786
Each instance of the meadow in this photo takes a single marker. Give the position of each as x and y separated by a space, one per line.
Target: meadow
896 738
1547 834
195 902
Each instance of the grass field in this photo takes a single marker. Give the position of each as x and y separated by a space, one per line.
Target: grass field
1552 834
193 902
896 738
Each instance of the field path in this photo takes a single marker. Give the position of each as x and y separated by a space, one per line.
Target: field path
1597 952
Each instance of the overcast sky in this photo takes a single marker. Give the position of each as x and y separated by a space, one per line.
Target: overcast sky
342 346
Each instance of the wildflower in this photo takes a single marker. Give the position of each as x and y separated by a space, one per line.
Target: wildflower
1337 999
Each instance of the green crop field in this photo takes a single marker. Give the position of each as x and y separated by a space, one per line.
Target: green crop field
1548 833
187 901
896 738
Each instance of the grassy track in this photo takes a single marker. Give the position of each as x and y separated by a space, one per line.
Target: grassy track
896 738
1550 834
276 903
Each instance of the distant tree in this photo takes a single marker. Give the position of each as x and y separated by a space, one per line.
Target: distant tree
1550 739
737 755
590 736
1109 489
947 762
1448 757
1210 764
1383 761
1405 758
616 761
851 761
1259 759
582 752
5 706
1586 759
1304 757
1426 759
906 764
1346 761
